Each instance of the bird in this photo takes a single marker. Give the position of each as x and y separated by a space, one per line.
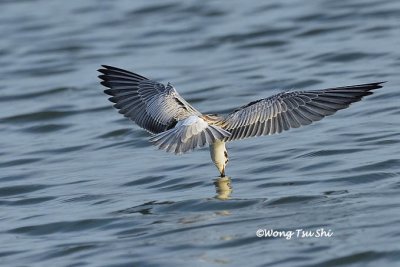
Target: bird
177 127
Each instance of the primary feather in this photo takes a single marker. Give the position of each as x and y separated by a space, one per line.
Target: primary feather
287 110
150 104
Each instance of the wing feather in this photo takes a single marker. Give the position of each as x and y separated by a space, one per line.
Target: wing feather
152 105
188 134
287 110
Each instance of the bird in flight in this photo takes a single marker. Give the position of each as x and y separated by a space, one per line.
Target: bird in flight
178 127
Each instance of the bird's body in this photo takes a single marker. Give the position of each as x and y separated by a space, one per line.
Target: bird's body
177 127
219 155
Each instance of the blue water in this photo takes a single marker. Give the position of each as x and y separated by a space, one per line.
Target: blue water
81 186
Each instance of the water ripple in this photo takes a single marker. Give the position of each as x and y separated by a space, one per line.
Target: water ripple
20 189
60 227
37 116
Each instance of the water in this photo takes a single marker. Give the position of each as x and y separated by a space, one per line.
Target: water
81 186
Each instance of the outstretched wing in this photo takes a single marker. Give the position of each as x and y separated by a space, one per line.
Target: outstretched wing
150 104
291 110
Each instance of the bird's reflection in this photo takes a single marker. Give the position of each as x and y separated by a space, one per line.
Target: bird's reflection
223 187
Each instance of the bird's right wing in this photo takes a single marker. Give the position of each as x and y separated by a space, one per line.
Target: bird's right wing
152 105
291 110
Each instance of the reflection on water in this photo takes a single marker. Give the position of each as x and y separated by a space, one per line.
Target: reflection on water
223 187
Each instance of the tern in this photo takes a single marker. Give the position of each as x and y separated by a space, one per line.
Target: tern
177 127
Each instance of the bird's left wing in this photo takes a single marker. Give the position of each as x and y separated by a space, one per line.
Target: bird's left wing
291 110
152 105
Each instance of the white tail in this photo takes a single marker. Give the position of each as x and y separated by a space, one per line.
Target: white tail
188 134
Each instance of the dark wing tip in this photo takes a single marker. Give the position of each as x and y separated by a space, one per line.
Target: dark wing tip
105 69
110 70
104 73
109 92
113 99
369 86
380 84
376 85
105 83
108 67
357 88
103 77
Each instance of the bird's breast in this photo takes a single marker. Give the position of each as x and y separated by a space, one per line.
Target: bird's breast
218 152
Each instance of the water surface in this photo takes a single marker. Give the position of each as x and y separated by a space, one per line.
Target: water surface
81 186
